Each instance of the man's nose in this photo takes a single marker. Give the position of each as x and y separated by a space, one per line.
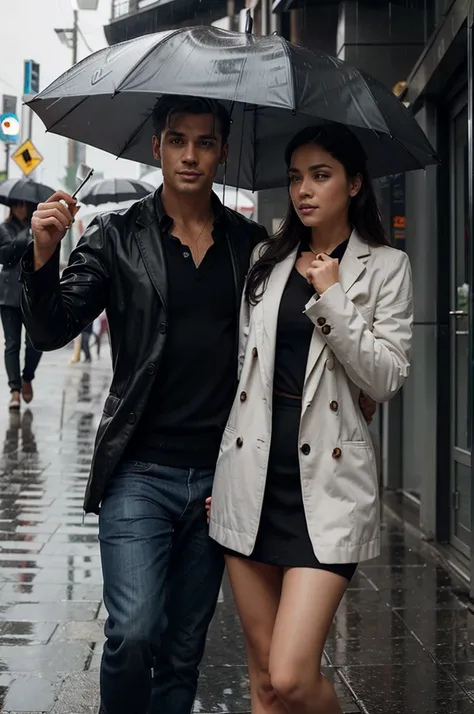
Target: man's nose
189 156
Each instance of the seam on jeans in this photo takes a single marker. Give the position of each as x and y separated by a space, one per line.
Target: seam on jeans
188 483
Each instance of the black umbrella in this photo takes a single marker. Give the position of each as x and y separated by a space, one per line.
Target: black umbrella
273 89
24 190
115 190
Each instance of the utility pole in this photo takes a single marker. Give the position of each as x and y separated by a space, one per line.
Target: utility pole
7 158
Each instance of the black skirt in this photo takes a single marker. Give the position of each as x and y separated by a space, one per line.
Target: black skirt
283 537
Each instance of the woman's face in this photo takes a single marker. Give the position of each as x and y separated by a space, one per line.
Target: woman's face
20 211
319 186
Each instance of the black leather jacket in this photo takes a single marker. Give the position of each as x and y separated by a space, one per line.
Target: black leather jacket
14 238
118 265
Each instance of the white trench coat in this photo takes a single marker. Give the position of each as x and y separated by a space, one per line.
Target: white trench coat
361 341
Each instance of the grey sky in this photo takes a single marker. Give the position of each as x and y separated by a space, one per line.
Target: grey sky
27 32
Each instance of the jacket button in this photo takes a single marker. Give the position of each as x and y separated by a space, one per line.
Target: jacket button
163 328
326 330
330 364
243 396
321 321
255 353
151 369
240 442
306 449
334 406
336 453
131 418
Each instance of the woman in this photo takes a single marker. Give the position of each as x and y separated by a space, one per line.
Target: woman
327 313
14 238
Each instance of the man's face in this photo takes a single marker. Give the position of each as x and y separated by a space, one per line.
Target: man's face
190 150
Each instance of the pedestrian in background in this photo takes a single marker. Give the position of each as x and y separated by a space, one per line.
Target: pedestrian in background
14 237
327 312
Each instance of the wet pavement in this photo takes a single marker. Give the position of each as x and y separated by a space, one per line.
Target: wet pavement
402 642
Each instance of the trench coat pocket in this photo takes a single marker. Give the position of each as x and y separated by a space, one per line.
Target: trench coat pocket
111 405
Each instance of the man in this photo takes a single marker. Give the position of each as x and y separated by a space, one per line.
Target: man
170 272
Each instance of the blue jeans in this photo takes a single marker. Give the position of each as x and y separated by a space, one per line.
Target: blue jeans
162 575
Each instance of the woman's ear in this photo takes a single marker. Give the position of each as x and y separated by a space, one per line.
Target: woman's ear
355 185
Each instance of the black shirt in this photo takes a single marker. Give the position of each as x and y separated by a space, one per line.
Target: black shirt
295 330
195 385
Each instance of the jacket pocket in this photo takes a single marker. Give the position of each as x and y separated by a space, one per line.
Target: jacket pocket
111 405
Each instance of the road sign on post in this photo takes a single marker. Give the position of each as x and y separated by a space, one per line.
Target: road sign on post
27 157
31 77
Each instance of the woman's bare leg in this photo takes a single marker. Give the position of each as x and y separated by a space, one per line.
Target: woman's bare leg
309 601
257 590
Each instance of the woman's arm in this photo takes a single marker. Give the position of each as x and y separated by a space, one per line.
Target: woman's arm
377 360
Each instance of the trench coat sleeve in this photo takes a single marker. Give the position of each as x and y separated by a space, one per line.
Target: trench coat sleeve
12 246
377 360
57 310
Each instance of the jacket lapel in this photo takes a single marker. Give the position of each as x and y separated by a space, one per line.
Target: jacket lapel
149 239
350 269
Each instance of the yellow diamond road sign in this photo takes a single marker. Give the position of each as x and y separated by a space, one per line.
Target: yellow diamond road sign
27 157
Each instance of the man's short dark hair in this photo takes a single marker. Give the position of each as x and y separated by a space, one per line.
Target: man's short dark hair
170 104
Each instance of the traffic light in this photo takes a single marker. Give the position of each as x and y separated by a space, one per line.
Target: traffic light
31 77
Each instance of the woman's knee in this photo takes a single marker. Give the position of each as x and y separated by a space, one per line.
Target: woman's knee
294 687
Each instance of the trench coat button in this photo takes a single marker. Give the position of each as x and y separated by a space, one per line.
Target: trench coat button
330 364
321 321
336 453
151 369
306 449
240 442
131 418
255 353
326 329
334 406
163 328
243 396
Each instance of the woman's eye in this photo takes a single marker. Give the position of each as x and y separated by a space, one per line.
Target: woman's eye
294 179
321 177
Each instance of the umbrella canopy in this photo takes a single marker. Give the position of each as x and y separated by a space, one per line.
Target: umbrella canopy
272 88
24 190
115 191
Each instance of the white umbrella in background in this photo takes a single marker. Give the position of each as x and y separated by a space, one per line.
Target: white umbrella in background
229 195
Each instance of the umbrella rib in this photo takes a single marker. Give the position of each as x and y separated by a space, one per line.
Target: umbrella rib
69 111
291 73
135 133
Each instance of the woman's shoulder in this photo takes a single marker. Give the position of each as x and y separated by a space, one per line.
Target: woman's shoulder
388 257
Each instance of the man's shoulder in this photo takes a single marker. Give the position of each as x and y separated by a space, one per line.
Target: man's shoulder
245 225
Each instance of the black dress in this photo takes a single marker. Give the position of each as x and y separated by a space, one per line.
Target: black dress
283 537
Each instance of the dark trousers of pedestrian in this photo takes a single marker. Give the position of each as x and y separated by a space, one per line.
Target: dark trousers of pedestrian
162 575
85 338
12 330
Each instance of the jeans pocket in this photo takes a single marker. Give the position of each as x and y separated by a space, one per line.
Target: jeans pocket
134 467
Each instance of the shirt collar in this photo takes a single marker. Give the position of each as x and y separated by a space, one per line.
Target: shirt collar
165 221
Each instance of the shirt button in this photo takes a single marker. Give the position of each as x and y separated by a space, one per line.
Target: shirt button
240 442
163 328
336 453
330 364
243 396
151 369
255 353
326 329
321 321
131 418
306 449
334 406
186 254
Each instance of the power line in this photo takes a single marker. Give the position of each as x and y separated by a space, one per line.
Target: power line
84 40
15 89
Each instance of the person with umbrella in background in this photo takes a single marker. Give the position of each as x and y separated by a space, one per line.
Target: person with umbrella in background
21 196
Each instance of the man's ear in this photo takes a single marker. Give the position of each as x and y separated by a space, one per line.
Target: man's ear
156 148
224 154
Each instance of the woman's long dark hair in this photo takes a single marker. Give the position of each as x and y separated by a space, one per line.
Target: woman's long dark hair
364 214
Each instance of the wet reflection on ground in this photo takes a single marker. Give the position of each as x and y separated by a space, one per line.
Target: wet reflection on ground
402 642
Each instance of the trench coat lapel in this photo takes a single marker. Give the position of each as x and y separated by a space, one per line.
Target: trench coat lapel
350 269
150 244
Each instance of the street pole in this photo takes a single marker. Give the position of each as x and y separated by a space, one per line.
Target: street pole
7 158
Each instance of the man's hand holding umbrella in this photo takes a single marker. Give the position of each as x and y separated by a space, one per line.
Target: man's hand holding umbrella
50 223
